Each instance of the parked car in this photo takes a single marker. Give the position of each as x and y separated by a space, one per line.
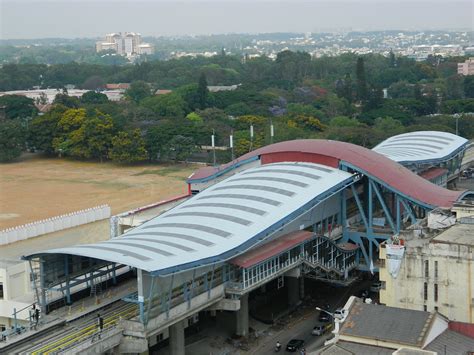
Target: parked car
339 313
376 286
321 329
294 345
324 317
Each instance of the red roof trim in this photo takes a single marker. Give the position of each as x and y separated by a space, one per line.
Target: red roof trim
375 164
433 173
275 247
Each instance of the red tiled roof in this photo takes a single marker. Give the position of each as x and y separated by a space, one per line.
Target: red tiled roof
119 86
163 92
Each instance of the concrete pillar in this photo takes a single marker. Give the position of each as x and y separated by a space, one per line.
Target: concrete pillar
293 291
302 287
177 338
242 327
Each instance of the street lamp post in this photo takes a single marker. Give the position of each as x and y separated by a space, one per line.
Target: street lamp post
337 321
457 115
323 310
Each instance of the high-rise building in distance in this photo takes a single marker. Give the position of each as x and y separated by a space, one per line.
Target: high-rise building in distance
126 44
466 68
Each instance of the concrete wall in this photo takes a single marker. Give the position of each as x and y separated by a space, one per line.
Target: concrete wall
455 280
37 228
438 326
109 340
373 342
16 292
180 312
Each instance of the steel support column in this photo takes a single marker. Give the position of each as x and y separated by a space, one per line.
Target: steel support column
66 272
384 206
42 299
170 292
360 207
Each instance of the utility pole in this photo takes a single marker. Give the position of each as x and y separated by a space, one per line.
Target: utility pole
251 138
213 148
457 124
231 141
272 133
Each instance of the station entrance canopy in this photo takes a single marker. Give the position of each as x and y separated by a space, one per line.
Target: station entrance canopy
222 222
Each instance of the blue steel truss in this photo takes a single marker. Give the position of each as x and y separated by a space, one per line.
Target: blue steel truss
379 198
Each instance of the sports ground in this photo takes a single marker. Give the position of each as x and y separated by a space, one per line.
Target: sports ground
36 187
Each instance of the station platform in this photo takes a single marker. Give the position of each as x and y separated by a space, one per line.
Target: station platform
67 314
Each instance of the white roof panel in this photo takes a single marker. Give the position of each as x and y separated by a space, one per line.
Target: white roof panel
221 222
421 146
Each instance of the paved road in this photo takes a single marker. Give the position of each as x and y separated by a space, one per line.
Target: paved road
301 329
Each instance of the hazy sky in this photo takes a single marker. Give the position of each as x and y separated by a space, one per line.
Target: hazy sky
93 18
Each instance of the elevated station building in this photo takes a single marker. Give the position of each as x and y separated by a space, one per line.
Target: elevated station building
284 211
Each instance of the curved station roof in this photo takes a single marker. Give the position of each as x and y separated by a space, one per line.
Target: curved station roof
221 222
421 147
333 154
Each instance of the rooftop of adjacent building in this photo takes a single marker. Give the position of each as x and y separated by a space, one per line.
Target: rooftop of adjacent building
389 324
395 327
460 233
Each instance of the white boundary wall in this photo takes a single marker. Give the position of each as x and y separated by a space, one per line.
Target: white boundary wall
54 224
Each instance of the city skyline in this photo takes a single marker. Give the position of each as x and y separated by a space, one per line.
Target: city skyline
30 19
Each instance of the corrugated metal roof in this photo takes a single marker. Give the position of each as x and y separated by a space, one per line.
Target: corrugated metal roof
421 146
368 161
221 222
451 342
402 326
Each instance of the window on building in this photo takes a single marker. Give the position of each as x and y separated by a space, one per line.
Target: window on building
427 268
436 269
425 308
436 292
1 290
436 309
425 291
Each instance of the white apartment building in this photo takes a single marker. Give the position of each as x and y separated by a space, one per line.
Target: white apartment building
105 46
436 272
126 44
466 68
145 48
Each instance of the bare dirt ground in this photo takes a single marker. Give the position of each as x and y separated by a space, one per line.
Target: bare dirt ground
36 187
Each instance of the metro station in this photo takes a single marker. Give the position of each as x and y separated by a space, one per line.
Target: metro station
281 213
